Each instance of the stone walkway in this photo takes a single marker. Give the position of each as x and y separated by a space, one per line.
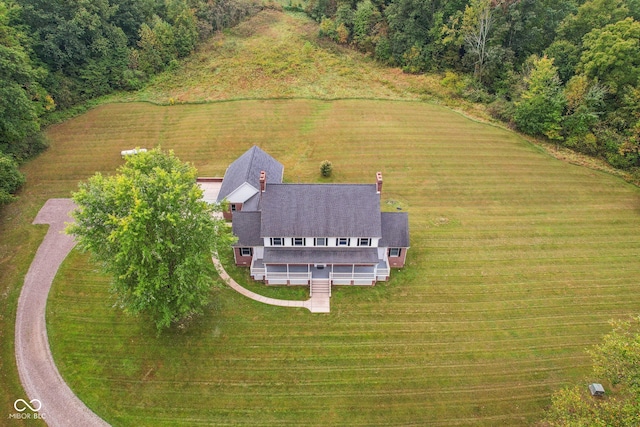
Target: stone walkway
315 304
39 376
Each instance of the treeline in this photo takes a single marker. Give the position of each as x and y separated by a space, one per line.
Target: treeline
57 53
567 70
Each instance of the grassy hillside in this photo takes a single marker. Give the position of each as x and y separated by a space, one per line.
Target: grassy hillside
276 55
517 262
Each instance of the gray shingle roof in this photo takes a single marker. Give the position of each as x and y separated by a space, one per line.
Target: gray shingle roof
321 256
247 168
395 230
246 226
320 210
252 203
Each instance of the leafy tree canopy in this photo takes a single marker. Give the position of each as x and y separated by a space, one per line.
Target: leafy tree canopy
10 179
612 54
592 14
149 228
540 110
22 99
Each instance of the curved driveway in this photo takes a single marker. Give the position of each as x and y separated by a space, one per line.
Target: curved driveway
38 373
39 376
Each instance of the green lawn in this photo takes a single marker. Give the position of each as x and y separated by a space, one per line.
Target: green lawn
517 262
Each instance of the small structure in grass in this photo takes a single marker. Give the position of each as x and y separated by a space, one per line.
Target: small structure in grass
326 168
596 389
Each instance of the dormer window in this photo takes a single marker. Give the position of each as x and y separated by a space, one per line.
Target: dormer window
277 241
364 241
298 241
343 241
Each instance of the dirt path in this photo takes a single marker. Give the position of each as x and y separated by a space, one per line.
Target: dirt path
38 373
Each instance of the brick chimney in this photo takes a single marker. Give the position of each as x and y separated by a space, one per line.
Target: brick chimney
379 182
263 181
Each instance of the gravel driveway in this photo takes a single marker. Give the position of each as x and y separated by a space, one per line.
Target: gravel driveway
38 373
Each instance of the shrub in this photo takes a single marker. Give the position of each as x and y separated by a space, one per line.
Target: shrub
383 50
326 168
501 109
454 82
328 28
10 179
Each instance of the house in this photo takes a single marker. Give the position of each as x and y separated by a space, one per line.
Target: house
241 180
295 234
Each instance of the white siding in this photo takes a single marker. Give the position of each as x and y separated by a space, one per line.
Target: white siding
332 242
242 193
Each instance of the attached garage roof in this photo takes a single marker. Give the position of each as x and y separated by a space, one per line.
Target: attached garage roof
247 169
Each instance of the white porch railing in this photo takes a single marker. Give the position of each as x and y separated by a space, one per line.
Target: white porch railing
371 275
257 271
275 275
382 271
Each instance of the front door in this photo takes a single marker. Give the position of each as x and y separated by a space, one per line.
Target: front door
320 271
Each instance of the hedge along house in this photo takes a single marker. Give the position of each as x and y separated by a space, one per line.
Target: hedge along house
299 234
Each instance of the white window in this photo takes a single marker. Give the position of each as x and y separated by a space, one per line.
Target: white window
364 241
394 252
320 241
343 241
246 252
298 241
277 241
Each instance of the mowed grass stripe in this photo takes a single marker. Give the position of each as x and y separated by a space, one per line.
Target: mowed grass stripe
517 263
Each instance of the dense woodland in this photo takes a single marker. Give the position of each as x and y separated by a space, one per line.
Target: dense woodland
564 70
57 54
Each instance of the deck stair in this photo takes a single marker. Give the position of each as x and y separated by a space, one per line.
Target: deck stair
320 287
320 295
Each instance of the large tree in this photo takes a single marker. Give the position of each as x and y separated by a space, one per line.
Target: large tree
612 54
476 26
149 228
539 112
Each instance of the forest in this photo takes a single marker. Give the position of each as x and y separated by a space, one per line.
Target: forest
58 54
567 71
564 70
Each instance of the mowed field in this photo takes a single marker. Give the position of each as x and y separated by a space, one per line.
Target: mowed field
517 262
